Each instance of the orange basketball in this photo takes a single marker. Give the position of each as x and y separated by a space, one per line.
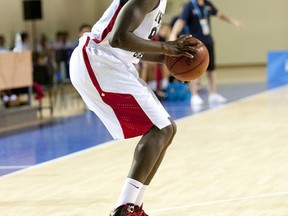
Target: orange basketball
186 69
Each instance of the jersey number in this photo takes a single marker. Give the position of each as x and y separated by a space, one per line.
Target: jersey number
158 19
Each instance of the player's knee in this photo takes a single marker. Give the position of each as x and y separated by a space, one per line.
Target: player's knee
170 130
174 126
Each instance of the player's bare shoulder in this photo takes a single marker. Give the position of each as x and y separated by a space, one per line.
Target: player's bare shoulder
146 5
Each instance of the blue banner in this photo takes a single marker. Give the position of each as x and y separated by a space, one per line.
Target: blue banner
277 68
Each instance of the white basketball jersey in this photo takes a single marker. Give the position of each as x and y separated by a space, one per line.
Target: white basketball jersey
147 29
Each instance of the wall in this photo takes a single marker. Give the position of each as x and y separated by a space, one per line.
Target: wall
265 24
265 28
65 15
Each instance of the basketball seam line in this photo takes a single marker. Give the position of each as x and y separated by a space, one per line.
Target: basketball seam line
189 69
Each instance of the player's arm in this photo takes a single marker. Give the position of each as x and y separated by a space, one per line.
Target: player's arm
155 58
159 58
130 17
228 19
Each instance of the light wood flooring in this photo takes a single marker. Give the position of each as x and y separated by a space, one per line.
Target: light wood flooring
228 161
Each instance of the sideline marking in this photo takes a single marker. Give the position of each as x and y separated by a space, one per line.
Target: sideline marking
14 167
261 196
111 142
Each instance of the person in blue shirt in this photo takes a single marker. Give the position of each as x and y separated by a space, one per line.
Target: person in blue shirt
185 29
196 15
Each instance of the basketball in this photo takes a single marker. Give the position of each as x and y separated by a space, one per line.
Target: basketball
187 69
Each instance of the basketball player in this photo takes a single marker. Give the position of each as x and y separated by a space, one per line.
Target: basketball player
102 70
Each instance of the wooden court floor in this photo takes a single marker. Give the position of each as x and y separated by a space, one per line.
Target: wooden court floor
228 161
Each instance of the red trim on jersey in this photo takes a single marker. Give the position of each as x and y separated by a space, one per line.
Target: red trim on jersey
110 25
132 118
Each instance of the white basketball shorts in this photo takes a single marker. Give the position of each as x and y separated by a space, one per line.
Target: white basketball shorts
112 89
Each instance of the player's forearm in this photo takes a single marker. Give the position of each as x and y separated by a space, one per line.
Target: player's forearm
156 58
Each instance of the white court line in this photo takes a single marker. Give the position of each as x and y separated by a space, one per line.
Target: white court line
261 196
103 145
112 142
14 167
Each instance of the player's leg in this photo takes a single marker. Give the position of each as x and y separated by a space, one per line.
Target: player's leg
150 151
148 156
140 198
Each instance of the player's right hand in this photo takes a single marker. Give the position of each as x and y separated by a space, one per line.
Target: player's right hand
185 45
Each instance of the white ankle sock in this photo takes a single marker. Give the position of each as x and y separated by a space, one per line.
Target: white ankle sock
130 192
140 198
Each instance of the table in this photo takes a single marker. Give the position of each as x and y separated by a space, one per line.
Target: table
16 70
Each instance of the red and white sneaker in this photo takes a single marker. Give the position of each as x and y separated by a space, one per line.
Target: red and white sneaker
142 212
126 210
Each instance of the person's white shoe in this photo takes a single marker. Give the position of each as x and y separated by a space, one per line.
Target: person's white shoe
217 98
196 108
13 97
196 100
5 99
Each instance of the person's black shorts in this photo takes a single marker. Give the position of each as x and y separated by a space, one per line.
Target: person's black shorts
211 65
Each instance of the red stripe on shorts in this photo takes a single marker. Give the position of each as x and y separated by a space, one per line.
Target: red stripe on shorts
110 25
133 120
